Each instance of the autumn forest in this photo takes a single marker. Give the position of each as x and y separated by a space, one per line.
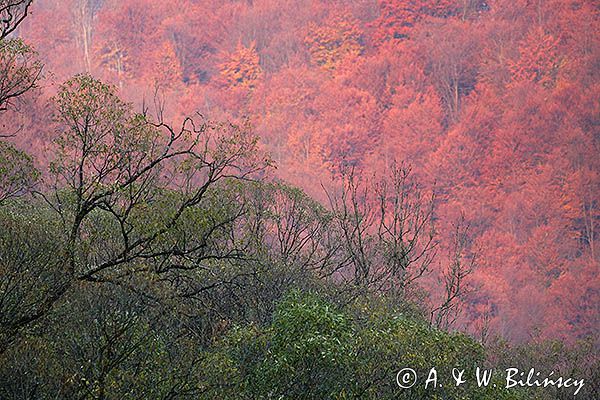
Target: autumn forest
187 187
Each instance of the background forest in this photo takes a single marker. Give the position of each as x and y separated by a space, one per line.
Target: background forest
296 199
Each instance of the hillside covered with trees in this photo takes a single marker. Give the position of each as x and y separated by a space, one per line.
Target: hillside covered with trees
297 199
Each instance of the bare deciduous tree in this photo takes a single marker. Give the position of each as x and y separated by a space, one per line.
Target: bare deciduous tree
12 13
454 278
386 230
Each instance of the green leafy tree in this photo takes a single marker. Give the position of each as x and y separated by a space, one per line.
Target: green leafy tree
130 195
313 349
20 70
17 172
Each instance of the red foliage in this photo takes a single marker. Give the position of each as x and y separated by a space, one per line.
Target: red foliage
398 17
495 103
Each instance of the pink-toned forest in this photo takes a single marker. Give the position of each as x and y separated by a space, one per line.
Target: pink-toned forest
320 199
494 104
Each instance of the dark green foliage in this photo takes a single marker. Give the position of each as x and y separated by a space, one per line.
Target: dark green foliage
313 350
32 267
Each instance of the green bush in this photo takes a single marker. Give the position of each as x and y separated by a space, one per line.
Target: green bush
313 350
